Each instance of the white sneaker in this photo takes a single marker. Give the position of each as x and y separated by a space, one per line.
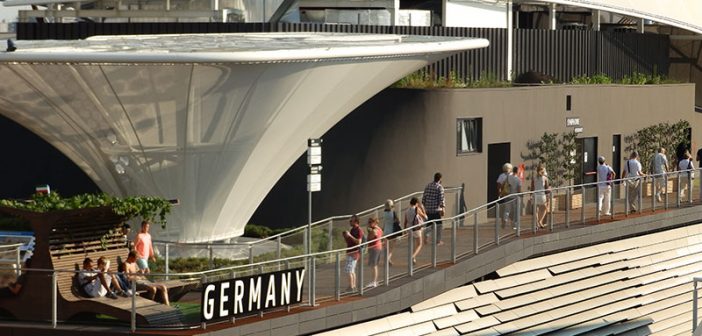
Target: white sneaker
372 285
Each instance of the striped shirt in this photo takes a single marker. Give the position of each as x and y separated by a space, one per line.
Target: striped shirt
433 198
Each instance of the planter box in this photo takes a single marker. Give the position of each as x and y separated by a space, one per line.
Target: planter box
576 201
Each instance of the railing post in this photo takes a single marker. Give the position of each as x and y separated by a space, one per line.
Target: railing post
476 241
582 204
453 240
626 197
337 277
359 285
611 201
498 219
518 216
132 320
665 175
599 203
534 213
166 261
550 211
433 244
18 260
410 250
387 262
640 195
689 185
278 251
677 194
54 299
330 231
210 262
567 207
654 179
251 254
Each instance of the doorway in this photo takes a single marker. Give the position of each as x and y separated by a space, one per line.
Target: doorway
588 165
498 154
616 161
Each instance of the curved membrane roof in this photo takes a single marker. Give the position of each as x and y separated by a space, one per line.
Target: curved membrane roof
213 120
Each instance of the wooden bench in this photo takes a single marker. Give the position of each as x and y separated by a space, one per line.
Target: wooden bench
63 240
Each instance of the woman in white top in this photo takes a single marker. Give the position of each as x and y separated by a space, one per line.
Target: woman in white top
540 184
415 218
685 164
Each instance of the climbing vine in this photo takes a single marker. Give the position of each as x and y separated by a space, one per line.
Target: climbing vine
149 208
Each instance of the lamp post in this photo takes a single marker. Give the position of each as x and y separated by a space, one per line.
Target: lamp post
314 183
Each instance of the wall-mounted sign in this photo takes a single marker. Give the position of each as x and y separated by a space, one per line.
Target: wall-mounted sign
574 121
578 130
243 296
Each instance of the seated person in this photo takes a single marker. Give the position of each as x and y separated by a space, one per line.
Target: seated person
111 278
94 282
122 276
134 274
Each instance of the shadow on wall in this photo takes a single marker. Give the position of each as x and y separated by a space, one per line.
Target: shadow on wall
30 161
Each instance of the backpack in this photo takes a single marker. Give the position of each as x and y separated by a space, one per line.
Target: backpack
504 191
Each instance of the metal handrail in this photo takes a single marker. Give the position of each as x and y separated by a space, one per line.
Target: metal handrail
333 256
302 228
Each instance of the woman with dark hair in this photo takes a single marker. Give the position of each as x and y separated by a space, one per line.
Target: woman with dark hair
415 218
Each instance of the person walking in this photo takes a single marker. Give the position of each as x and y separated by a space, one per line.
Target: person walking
391 227
414 218
433 201
507 184
541 186
659 166
144 247
605 174
632 171
353 238
685 164
375 248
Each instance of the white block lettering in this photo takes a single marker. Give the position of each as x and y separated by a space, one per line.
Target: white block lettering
208 307
223 299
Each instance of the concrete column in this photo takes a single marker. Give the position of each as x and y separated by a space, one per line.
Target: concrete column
640 26
552 16
509 40
395 13
596 20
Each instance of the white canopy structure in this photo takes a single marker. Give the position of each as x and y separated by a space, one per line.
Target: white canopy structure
685 14
212 120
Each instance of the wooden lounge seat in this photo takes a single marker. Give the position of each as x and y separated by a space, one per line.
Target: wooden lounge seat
63 240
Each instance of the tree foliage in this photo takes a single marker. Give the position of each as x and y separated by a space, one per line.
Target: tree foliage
149 208
558 153
647 140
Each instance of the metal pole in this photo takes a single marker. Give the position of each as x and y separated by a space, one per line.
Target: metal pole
360 271
54 299
309 243
313 283
410 249
640 196
498 219
133 310
677 194
599 203
626 197
337 277
433 244
453 240
251 255
653 189
567 207
18 260
534 213
209 257
279 246
166 266
689 186
518 215
550 211
476 247
582 204
387 262
665 175
330 231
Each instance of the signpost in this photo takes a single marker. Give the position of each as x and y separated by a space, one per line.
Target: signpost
314 183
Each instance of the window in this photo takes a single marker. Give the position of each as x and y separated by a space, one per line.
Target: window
470 135
568 103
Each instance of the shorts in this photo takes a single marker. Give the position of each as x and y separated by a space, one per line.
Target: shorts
350 265
417 233
373 256
143 263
